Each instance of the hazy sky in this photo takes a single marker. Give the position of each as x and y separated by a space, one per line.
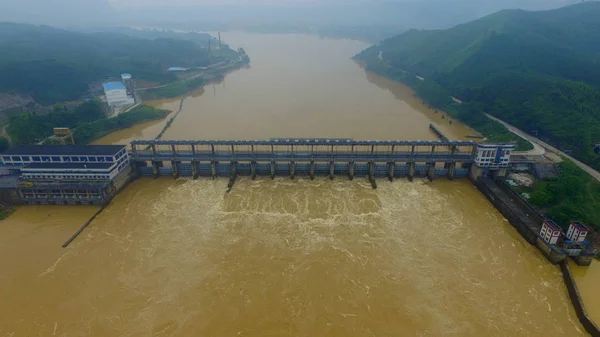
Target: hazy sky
141 3
404 13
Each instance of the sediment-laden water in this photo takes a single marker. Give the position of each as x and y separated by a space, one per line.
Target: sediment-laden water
282 257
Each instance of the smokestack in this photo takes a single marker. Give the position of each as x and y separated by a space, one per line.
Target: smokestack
219 43
209 53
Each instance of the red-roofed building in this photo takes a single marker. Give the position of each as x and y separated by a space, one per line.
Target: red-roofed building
577 232
550 232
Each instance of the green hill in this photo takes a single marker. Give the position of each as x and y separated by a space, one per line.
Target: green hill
55 65
537 70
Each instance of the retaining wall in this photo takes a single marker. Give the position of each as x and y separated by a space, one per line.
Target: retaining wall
523 223
577 301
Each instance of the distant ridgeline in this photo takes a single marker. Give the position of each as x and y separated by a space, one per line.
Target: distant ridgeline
537 70
53 65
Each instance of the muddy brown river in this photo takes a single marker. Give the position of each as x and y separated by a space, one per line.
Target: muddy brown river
282 257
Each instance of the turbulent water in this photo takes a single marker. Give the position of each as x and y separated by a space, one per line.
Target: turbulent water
282 257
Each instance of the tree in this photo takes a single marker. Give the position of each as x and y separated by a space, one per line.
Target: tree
4 144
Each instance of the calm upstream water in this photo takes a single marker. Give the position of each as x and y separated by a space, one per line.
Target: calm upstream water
281 257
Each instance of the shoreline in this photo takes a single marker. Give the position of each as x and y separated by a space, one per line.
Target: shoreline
154 102
369 67
185 86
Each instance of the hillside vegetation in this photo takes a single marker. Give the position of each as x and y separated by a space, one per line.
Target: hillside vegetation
537 70
54 65
88 122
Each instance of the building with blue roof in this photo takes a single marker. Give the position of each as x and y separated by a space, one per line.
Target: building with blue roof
116 94
113 86
176 69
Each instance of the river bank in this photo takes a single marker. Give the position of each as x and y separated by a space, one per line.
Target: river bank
185 86
89 132
437 99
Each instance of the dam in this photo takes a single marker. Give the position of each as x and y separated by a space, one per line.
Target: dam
311 157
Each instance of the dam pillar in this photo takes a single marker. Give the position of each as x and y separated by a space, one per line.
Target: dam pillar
475 172
371 174
431 171
312 170
351 170
331 169
233 176
253 169
499 173
451 170
156 168
175 166
292 169
213 169
272 169
234 168
411 170
194 169
136 168
391 168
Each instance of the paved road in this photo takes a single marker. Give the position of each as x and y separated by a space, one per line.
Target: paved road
548 148
538 148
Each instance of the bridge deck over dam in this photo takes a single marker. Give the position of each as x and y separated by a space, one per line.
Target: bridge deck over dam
291 157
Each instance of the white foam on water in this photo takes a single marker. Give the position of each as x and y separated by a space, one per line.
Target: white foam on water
282 257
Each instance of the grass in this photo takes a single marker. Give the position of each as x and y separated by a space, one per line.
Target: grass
573 196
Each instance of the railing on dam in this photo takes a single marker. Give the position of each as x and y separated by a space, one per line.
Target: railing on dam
304 150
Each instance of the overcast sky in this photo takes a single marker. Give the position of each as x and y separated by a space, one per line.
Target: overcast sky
408 13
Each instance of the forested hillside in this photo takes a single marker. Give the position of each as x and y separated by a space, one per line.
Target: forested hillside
537 70
53 65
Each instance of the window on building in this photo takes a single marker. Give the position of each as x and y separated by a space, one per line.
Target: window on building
92 158
36 158
16 158
83 158
57 159
6 158
109 159
101 159
26 158
74 158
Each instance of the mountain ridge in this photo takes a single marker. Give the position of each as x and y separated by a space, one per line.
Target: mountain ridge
536 70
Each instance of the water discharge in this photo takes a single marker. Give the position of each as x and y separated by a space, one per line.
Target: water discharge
282 257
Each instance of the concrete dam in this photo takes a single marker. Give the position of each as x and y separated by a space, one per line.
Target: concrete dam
303 157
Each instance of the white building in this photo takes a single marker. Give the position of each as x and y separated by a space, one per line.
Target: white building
116 94
493 156
68 162
577 232
550 232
